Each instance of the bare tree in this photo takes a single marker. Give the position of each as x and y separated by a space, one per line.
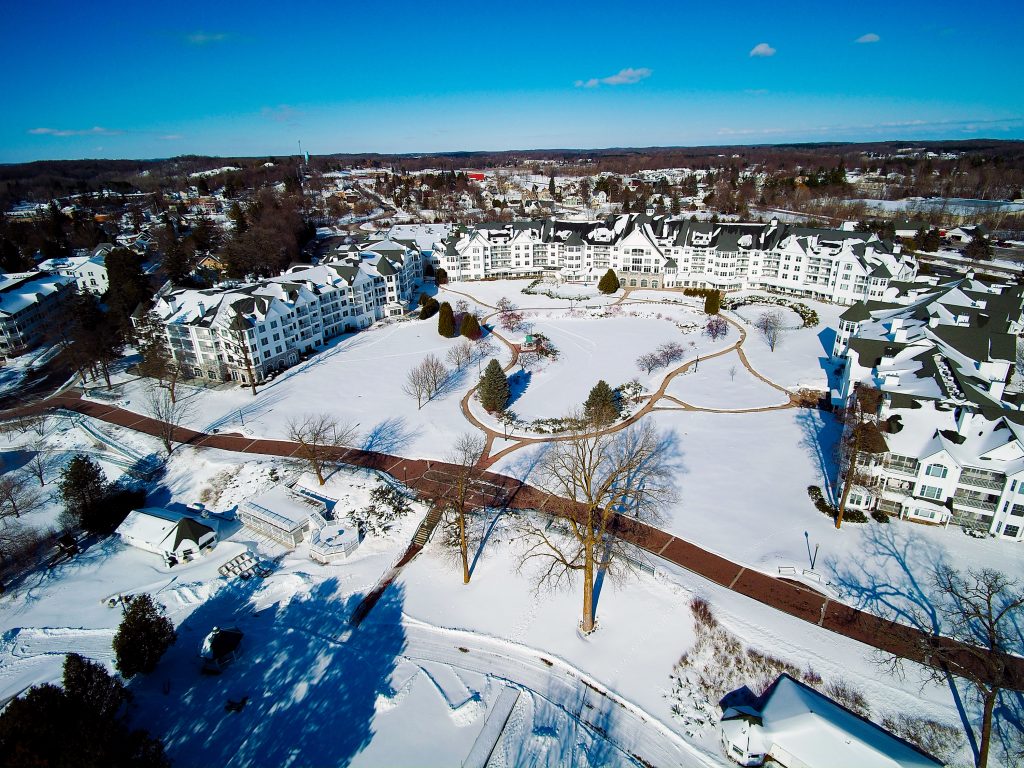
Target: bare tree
483 349
460 354
168 412
732 373
598 483
508 420
18 495
416 385
981 613
157 360
455 501
40 461
648 362
435 375
772 327
319 436
859 443
425 380
509 316
240 347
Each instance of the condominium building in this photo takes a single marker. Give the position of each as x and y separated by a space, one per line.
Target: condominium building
245 332
29 304
661 252
89 269
943 354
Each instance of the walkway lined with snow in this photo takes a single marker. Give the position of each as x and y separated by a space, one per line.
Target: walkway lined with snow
423 477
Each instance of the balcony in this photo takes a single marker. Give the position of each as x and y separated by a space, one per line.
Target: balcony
975 502
979 479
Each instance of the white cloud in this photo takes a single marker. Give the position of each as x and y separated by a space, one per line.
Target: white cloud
762 49
282 113
170 137
94 131
626 76
205 38
870 37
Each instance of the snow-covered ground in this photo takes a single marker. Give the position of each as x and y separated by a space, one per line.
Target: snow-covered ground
418 681
800 358
724 383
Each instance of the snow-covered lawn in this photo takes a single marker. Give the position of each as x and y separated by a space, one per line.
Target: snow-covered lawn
801 357
722 382
359 380
492 291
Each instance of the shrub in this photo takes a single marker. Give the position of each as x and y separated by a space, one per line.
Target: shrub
712 303
936 738
609 283
429 309
446 321
879 516
470 327
441 276
848 696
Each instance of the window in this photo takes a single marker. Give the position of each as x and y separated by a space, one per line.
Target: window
928 514
930 492
936 470
1017 510
1011 531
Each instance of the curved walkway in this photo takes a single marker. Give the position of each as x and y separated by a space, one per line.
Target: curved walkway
427 478
490 434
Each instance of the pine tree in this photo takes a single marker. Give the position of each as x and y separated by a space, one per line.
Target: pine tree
494 391
470 327
142 638
601 407
446 321
609 283
429 309
712 303
82 487
441 276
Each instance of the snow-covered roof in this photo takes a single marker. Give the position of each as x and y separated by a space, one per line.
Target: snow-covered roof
818 731
21 290
283 508
162 530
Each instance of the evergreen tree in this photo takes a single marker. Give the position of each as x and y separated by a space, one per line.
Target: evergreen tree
493 390
441 276
78 724
142 638
129 286
712 303
978 248
82 488
470 327
429 309
609 283
446 321
601 407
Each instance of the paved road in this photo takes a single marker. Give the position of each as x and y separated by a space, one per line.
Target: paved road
428 479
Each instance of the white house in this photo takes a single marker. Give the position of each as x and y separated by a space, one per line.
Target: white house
966 233
795 726
89 271
175 536
280 514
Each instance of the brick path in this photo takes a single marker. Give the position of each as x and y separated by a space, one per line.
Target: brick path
427 479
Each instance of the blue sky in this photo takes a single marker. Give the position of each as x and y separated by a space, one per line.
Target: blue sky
139 79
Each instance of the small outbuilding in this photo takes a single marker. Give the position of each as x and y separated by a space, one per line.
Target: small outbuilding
220 648
176 536
795 726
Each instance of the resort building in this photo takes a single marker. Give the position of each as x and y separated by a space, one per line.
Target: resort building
943 353
29 305
241 332
661 252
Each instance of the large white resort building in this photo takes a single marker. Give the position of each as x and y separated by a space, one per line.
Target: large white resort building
248 330
943 352
660 252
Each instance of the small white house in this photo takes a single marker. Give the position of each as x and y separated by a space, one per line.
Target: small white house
176 536
965 234
797 727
